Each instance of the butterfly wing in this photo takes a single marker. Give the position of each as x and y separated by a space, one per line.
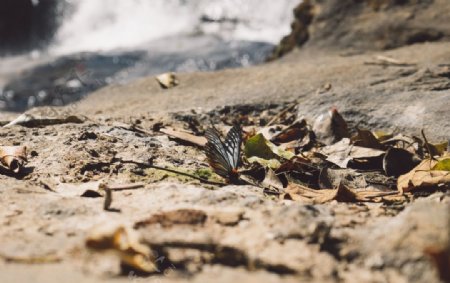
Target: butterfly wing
216 153
233 146
224 157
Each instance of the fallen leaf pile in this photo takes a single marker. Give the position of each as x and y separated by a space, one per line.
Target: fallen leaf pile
327 160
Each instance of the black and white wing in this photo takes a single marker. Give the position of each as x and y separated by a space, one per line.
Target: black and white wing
223 157
216 153
233 146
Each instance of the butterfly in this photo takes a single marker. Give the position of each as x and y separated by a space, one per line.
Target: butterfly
224 156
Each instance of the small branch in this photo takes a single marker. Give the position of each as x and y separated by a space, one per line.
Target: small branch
123 187
279 115
147 165
427 145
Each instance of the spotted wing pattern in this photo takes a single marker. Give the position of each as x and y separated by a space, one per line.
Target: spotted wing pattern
224 156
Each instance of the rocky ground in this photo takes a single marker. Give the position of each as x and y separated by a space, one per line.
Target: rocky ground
204 232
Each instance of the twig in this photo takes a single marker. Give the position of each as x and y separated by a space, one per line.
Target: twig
122 187
148 165
279 115
427 145
108 199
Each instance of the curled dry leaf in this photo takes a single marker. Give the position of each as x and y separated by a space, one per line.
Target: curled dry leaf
423 176
330 127
13 157
125 243
167 80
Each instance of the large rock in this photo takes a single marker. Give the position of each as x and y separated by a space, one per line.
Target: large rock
366 25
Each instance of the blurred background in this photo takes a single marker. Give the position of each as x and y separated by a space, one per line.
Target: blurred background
53 52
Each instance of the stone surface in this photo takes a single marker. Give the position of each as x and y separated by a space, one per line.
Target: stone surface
366 25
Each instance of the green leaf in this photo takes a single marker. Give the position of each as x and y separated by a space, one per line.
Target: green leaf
443 165
260 147
271 163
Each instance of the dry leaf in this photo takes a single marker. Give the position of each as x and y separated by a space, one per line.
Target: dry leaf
366 138
341 194
296 131
272 182
331 178
167 80
125 243
45 116
331 127
422 176
184 136
398 161
341 153
13 157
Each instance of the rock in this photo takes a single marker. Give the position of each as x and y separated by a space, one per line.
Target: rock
400 243
366 25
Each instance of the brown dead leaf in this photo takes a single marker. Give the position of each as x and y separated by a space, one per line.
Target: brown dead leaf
184 136
342 152
366 138
125 243
296 131
13 157
341 194
422 177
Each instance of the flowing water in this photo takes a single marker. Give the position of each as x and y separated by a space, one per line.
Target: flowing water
114 41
